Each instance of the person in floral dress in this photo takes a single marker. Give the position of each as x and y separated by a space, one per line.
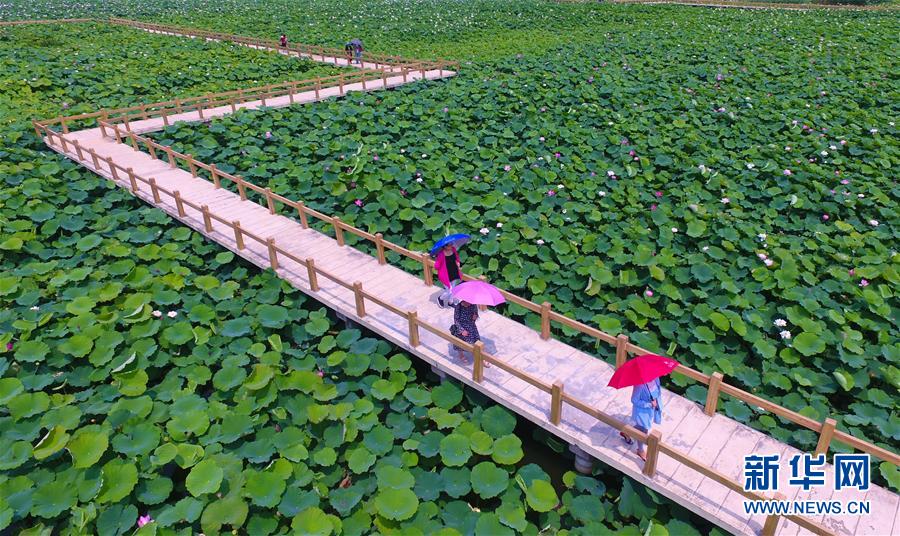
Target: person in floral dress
464 316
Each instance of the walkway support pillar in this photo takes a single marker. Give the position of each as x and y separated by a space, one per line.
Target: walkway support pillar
584 462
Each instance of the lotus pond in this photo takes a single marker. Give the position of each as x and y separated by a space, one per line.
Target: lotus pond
629 169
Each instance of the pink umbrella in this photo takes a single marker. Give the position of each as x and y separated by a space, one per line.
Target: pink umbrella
479 293
642 369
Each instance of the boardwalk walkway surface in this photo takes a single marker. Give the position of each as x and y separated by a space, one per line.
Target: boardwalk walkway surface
715 441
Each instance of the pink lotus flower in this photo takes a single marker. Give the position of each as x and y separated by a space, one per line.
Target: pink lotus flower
824 217
653 206
659 194
320 374
843 142
636 159
375 158
851 271
551 193
446 109
787 172
268 135
845 181
631 153
403 193
863 283
9 346
507 167
557 155
720 77
143 520
358 202
648 293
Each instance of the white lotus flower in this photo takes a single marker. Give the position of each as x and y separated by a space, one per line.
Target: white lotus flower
499 225
35 308
601 193
785 334
780 322
674 229
873 223
540 242
172 314
484 230
768 262
725 200
157 314
762 236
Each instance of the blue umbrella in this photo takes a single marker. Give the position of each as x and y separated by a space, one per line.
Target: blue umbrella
455 240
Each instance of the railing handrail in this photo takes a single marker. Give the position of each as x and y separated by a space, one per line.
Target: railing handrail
655 445
826 430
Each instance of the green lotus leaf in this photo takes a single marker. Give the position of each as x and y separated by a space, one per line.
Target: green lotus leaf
446 395
31 351
488 480
9 388
205 477
444 419
53 442
541 496
259 377
455 450
379 440
396 504
272 316
117 519
497 421
52 498
587 508
264 488
312 521
154 491
119 478
390 477
512 514
178 333
236 327
230 510
808 344
417 396
489 523
359 460
13 453
383 389
87 445
507 450
77 346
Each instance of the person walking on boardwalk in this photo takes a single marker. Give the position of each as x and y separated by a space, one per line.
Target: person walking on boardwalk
464 316
282 40
447 264
355 46
642 374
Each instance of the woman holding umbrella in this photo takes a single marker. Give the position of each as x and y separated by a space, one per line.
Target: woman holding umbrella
642 374
471 294
447 264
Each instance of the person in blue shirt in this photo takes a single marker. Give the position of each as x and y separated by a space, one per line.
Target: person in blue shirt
646 409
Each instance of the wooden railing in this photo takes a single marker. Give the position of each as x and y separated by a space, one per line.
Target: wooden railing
167 109
276 256
325 54
623 347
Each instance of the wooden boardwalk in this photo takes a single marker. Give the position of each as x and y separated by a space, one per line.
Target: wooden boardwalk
713 441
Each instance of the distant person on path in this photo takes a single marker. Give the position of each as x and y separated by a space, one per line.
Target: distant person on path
447 264
646 410
283 40
464 316
356 47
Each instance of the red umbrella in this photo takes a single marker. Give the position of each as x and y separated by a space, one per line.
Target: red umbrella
642 369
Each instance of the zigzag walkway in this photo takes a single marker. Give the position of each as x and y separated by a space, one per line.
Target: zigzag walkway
699 461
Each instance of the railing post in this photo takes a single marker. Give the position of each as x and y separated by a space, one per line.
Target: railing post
825 436
132 180
545 320
379 247
341 84
151 149
155 190
117 134
426 266
112 168
653 439
207 221
303 222
311 273
134 143
241 188
269 201
215 176
338 232
360 300
94 159
238 237
318 87
771 523
273 258
78 149
556 391
712 394
478 365
171 155
621 350
413 328
178 204
165 117
190 159
102 129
